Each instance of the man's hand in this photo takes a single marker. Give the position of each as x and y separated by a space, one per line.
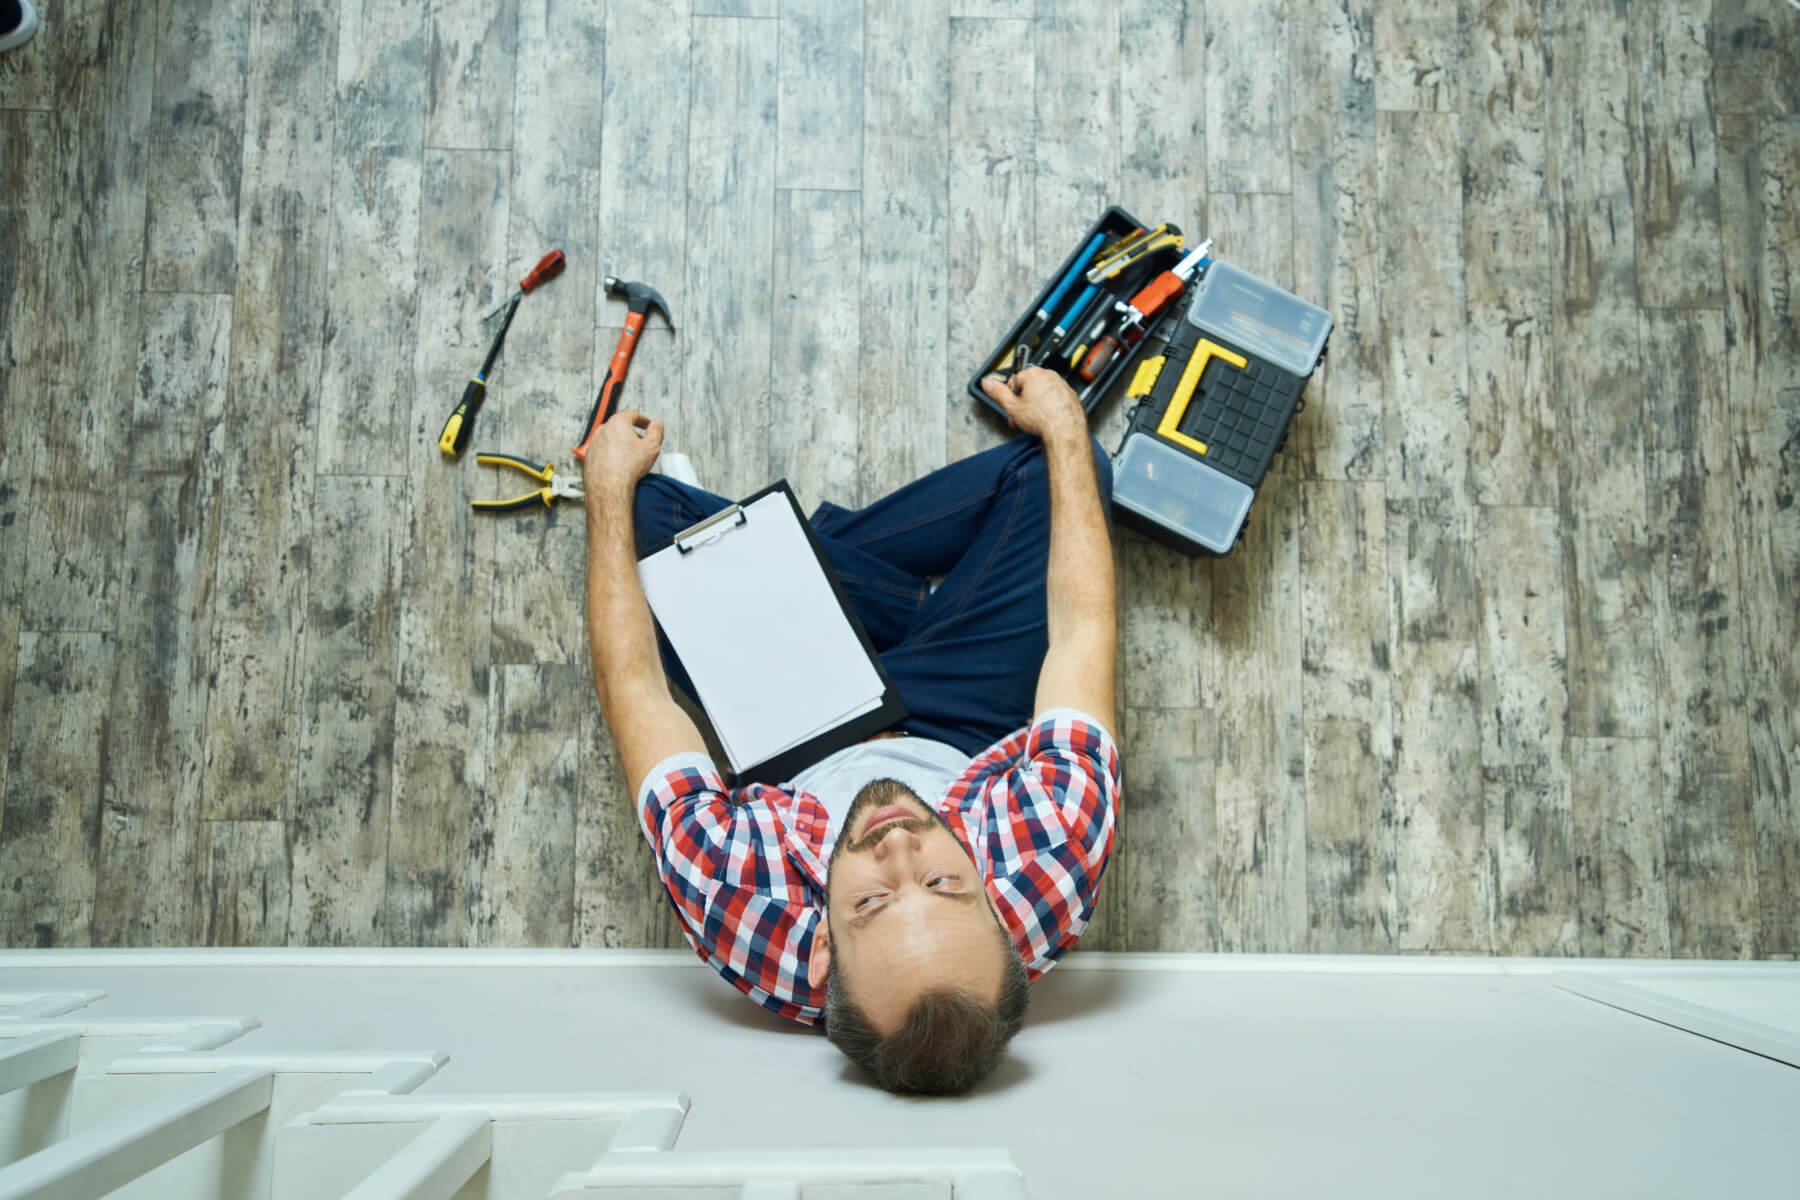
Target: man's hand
622 452
1039 401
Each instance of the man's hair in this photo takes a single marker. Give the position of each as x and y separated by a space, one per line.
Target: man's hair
949 1040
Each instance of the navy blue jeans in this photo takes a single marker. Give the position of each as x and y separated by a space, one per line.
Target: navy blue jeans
965 657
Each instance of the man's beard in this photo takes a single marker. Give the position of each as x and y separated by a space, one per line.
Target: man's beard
881 793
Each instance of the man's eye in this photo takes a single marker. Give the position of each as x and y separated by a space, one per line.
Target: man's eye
864 901
945 880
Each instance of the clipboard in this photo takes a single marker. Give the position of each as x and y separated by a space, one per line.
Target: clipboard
753 610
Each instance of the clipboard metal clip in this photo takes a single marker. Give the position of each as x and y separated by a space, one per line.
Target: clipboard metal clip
711 529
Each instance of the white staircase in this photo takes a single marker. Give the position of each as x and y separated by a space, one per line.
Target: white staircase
91 1106
469 1146
948 1174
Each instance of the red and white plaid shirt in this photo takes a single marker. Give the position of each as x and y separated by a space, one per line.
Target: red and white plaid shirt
746 868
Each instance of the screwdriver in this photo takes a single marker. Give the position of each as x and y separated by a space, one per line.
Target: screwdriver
548 268
1102 352
1094 321
1058 350
462 422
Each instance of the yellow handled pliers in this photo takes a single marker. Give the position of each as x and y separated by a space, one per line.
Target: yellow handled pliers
554 489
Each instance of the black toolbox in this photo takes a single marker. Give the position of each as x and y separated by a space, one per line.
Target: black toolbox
1114 224
1212 409
1211 405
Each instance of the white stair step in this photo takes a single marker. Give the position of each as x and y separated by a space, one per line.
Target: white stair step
239 1164
769 1189
38 1115
35 1077
104 1039
922 1174
115 1152
28 1060
534 1139
28 1005
434 1165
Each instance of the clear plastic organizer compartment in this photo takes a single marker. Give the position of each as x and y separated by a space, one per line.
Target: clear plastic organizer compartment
1272 324
1180 493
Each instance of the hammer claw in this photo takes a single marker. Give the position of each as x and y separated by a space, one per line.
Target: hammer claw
641 299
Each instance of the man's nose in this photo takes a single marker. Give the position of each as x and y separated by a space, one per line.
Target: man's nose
901 842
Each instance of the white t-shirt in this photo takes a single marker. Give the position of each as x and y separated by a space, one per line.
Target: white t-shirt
927 767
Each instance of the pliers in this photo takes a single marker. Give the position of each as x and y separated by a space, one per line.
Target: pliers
554 489
1013 363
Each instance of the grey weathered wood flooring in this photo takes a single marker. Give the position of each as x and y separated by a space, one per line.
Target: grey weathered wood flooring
1506 663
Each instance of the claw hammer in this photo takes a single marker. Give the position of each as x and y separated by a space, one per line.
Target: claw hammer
641 298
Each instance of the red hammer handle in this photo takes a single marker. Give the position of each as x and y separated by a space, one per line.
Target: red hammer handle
608 399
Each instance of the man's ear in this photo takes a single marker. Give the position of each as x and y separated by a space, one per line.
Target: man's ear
818 963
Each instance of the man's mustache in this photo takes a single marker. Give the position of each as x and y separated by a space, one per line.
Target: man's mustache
909 824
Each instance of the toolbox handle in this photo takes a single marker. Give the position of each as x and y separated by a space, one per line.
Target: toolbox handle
1169 426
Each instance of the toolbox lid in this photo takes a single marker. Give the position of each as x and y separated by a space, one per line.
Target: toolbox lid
1273 324
1180 493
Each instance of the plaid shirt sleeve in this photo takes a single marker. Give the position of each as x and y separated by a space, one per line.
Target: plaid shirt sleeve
1038 811
747 910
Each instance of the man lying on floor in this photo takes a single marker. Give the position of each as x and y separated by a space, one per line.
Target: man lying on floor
902 891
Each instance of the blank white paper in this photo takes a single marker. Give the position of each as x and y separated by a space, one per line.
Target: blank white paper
754 621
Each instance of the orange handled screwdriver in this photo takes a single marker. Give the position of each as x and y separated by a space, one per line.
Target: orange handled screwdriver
548 268
1102 353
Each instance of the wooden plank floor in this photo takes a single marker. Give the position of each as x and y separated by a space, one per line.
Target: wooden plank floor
1505 664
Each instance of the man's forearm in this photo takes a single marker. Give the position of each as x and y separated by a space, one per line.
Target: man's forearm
1079 590
621 635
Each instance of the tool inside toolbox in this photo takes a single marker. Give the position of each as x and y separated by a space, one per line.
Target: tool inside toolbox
1075 326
